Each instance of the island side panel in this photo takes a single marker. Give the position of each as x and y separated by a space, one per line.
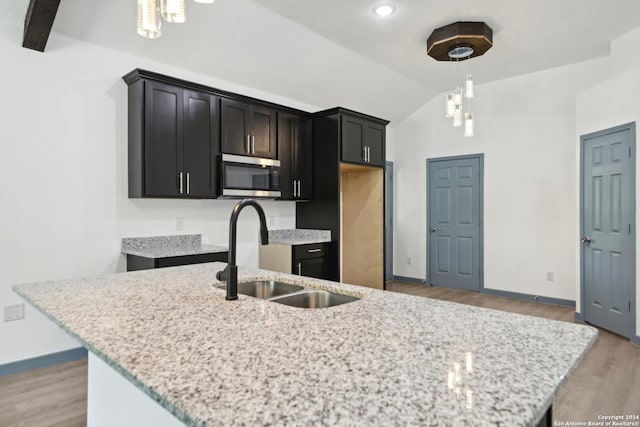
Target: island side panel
114 401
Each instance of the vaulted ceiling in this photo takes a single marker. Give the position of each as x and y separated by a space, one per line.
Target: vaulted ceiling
336 52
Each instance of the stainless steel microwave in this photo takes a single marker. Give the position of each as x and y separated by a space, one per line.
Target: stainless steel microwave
243 176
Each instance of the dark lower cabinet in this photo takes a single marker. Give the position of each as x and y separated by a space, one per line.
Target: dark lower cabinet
310 260
173 141
135 262
294 153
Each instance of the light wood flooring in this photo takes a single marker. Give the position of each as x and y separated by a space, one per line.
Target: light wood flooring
607 382
55 396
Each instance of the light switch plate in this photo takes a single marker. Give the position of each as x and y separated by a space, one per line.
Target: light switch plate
13 312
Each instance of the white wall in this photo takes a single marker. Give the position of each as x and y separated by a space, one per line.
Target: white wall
610 103
63 164
525 126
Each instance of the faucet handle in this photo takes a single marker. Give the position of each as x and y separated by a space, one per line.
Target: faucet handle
222 275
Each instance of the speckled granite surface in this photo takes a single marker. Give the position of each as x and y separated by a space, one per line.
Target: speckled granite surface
299 236
387 359
168 246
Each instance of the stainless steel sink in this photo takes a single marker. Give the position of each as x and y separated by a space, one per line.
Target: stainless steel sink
314 299
266 289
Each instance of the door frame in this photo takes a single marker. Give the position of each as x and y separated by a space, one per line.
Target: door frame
631 126
388 211
430 162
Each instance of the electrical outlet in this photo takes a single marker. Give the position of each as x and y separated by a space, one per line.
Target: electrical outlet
179 223
13 312
550 275
408 260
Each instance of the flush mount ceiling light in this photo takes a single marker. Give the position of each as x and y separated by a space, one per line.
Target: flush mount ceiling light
150 11
384 10
458 42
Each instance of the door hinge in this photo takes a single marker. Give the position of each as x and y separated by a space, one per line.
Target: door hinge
629 151
629 228
629 305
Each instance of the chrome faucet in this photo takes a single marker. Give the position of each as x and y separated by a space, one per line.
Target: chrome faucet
230 273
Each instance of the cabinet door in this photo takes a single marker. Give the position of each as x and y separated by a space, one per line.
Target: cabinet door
163 139
353 134
263 132
286 124
313 267
302 155
294 153
200 144
374 140
234 126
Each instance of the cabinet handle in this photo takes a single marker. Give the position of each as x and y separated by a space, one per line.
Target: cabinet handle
294 188
248 146
313 251
299 269
253 144
299 186
181 180
364 153
188 184
368 154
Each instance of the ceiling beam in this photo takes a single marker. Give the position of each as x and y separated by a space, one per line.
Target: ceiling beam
38 23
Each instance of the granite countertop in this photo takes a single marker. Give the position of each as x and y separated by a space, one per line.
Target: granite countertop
168 246
299 236
386 359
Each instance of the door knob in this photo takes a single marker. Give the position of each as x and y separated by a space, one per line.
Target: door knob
433 229
586 240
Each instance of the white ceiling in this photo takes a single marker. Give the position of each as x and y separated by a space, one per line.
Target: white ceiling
337 52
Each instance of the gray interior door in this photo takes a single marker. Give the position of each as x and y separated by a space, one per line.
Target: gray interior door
388 220
454 225
607 241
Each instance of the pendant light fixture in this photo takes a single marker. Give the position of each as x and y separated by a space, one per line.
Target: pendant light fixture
458 42
173 11
150 11
148 19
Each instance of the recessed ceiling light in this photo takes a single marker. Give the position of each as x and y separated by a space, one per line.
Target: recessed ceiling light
384 10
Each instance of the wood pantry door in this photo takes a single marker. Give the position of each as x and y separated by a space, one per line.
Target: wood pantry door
454 226
608 229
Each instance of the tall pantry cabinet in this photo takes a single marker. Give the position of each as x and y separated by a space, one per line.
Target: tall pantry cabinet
348 194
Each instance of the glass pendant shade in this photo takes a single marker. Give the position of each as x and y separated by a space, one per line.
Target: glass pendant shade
457 98
457 117
148 19
468 125
173 11
468 92
205 1
450 106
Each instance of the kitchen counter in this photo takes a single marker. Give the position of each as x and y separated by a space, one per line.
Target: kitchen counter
387 359
168 246
299 236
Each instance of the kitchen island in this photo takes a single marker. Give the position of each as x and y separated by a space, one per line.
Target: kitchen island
386 359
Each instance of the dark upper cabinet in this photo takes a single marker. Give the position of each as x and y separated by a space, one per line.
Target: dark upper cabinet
294 153
363 141
247 129
200 146
173 141
162 141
